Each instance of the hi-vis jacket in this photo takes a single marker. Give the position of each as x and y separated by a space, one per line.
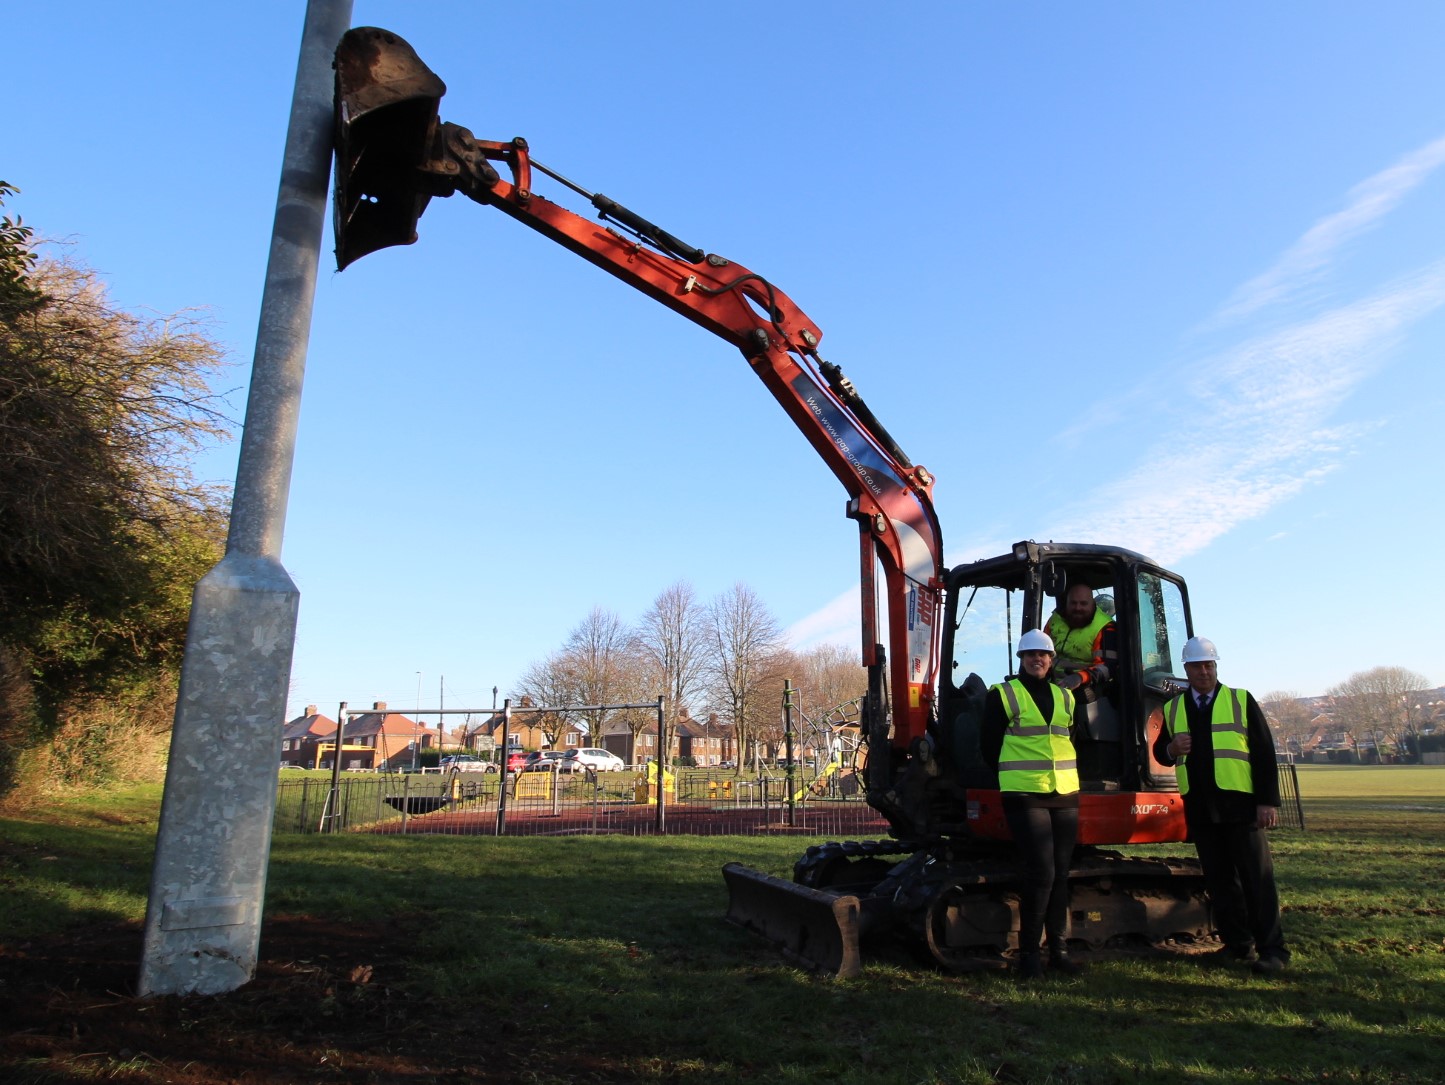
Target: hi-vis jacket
1075 645
1037 756
1230 735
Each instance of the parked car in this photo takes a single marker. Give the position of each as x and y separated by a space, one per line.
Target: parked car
587 757
541 760
464 762
515 760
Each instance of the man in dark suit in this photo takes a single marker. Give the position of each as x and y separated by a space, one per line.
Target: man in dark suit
1221 744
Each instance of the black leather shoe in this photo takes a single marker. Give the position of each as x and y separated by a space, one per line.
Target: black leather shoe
1268 965
1231 955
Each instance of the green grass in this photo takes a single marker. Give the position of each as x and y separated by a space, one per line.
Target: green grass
618 944
1373 782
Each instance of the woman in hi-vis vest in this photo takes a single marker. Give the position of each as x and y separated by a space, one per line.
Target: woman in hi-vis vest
1025 736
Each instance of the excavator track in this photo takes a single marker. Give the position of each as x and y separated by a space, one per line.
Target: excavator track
962 907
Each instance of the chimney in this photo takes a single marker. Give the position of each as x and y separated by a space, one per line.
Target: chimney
378 706
310 710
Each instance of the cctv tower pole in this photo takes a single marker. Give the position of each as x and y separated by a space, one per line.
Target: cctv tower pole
203 922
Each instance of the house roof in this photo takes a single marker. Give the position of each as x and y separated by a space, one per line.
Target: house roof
310 724
388 723
685 726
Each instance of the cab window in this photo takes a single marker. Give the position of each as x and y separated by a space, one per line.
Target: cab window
987 632
1163 627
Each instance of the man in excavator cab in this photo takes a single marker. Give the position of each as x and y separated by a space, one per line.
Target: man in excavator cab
1084 635
1088 658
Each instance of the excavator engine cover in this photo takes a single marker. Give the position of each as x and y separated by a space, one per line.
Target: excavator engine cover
386 114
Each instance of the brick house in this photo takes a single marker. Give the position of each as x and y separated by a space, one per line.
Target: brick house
708 742
385 741
526 735
300 736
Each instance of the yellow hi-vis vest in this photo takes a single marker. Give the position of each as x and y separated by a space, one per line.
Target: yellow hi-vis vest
1037 755
1075 645
1231 739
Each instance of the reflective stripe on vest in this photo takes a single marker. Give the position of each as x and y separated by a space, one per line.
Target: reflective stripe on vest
1231 740
1037 756
1075 645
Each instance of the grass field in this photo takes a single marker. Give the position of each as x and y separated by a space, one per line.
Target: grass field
606 959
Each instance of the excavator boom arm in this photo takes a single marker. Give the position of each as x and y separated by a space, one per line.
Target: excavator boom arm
393 154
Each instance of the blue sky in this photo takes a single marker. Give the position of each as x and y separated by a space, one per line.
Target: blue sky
1164 275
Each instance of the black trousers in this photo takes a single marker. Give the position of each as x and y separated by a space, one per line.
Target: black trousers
1045 831
1239 875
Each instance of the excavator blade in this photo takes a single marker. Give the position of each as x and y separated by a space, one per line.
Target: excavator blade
386 114
813 928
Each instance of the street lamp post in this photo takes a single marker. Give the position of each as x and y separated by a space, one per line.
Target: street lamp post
416 725
213 840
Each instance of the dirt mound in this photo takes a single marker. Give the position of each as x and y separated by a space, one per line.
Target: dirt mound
327 1003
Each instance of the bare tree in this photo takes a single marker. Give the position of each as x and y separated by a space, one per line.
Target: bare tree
100 414
1375 703
1289 717
744 641
543 684
104 529
671 638
763 712
830 682
595 656
638 681
830 675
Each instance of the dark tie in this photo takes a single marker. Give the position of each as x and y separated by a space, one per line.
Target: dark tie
1203 703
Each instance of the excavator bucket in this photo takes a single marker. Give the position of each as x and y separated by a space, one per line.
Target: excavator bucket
816 929
386 115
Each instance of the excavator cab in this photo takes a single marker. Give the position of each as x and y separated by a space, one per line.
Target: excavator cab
994 601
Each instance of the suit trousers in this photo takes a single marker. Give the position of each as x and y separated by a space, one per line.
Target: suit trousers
1239 875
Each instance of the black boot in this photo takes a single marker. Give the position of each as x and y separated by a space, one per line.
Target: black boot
1060 961
1030 967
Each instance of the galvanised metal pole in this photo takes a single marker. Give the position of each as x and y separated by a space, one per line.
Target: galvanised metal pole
337 747
788 749
504 774
661 767
203 923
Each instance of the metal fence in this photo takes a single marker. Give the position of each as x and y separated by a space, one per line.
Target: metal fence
549 803
1291 810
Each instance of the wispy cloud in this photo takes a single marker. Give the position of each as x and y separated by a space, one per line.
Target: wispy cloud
1259 424
1309 257
1259 430
836 622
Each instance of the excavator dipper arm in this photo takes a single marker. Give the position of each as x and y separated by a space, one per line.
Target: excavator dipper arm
394 154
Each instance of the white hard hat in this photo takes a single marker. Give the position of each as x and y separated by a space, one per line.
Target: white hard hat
1200 650
1035 640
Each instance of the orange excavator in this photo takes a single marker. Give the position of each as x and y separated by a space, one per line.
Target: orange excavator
945 876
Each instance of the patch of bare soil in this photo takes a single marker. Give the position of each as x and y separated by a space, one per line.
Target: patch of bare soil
327 1004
